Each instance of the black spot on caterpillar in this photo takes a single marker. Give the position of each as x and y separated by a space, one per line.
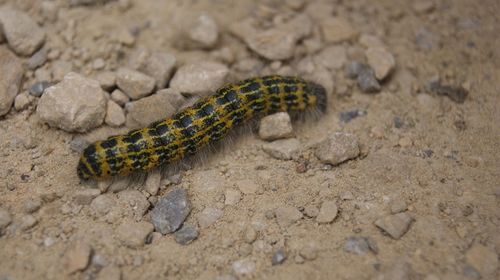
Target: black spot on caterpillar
207 121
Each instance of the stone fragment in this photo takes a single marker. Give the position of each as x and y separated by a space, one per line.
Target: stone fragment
327 212
22 32
119 97
395 225
287 215
275 126
11 73
482 259
278 257
311 211
457 94
74 104
136 201
158 65
332 57
243 267
114 115
102 204
204 32
201 78
382 62
337 148
336 30
107 80
186 234
209 216
22 101
134 234
134 83
109 272
85 197
170 211
360 245
77 256
152 184
309 251
37 59
284 149
38 88
60 69
398 206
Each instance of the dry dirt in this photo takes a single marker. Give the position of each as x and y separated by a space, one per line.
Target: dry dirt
451 193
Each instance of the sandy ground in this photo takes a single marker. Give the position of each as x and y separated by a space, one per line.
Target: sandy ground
436 159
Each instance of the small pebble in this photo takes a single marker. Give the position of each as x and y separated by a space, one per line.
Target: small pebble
186 234
11 74
135 200
247 186
311 211
119 97
171 211
398 206
347 195
250 235
284 149
77 257
38 88
482 259
107 80
360 245
395 225
367 81
22 101
102 204
133 83
209 216
336 30
232 197
381 61
201 78
275 126
158 65
423 6
32 205
109 272
27 222
333 57
287 215
5 219
309 251
85 197
327 212
115 116
457 94
204 32
278 257
243 267
134 234
348 116
337 148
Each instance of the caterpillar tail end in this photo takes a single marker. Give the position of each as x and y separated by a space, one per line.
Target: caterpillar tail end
319 91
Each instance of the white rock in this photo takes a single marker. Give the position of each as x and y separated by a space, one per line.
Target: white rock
11 73
201 78
327 212
337 30
284 149
134 83
381 61
276 126
209 216
114 114
337 148
74 104
160 105
23 34
333 57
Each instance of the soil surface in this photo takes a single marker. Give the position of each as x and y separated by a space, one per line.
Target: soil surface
419 200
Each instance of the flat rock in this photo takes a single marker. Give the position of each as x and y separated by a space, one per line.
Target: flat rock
170 211
276 126
336 30
22 32
77 257
158 65
327 212
395 225
287 215
209 216
337 148
114 114
74 104
160 105
284 149
134 234
482 259
382 62
186 234
201 78
134 83
11 74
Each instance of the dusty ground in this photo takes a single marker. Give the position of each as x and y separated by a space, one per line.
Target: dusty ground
451 193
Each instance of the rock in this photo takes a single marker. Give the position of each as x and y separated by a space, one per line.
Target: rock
209 216
22 101
275 126
278 257
336 30
482 259
369 41
119 97
22 32
85 197
109 272
133 83
457 94
204 32
243 267
158 65
201 78
27 222
11 73
5 219
60 68
136 201
32 205
337 148
38 59
398 206
311 211
309 251
102 204
152 184
232 197
250 235
360 245
134 234
77 256
186 234
395 225
78 144
327 212
247 186
287 215
365 76
107 80
348 116
332 57
160 105
38 88
170 211
114 115
284 149
75 104
382 62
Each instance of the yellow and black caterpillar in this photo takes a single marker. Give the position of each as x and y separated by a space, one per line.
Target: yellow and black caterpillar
207 121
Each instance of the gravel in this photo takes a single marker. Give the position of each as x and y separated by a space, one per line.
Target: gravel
22 32
11 74
170 211
77 256
337 148
276 126
287 215
38 88
134 83
327 212
278 257
186 234
134 234
74 104
201 78
395 225
284 149
209 216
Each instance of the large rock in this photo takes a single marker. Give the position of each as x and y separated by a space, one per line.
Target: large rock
22 32
75 104
201 78
11 73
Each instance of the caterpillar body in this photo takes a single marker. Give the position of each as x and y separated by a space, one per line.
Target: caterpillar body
208 120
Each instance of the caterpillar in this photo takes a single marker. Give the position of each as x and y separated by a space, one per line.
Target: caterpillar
205 122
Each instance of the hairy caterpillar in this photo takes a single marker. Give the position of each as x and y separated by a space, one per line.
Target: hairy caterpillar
207 121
